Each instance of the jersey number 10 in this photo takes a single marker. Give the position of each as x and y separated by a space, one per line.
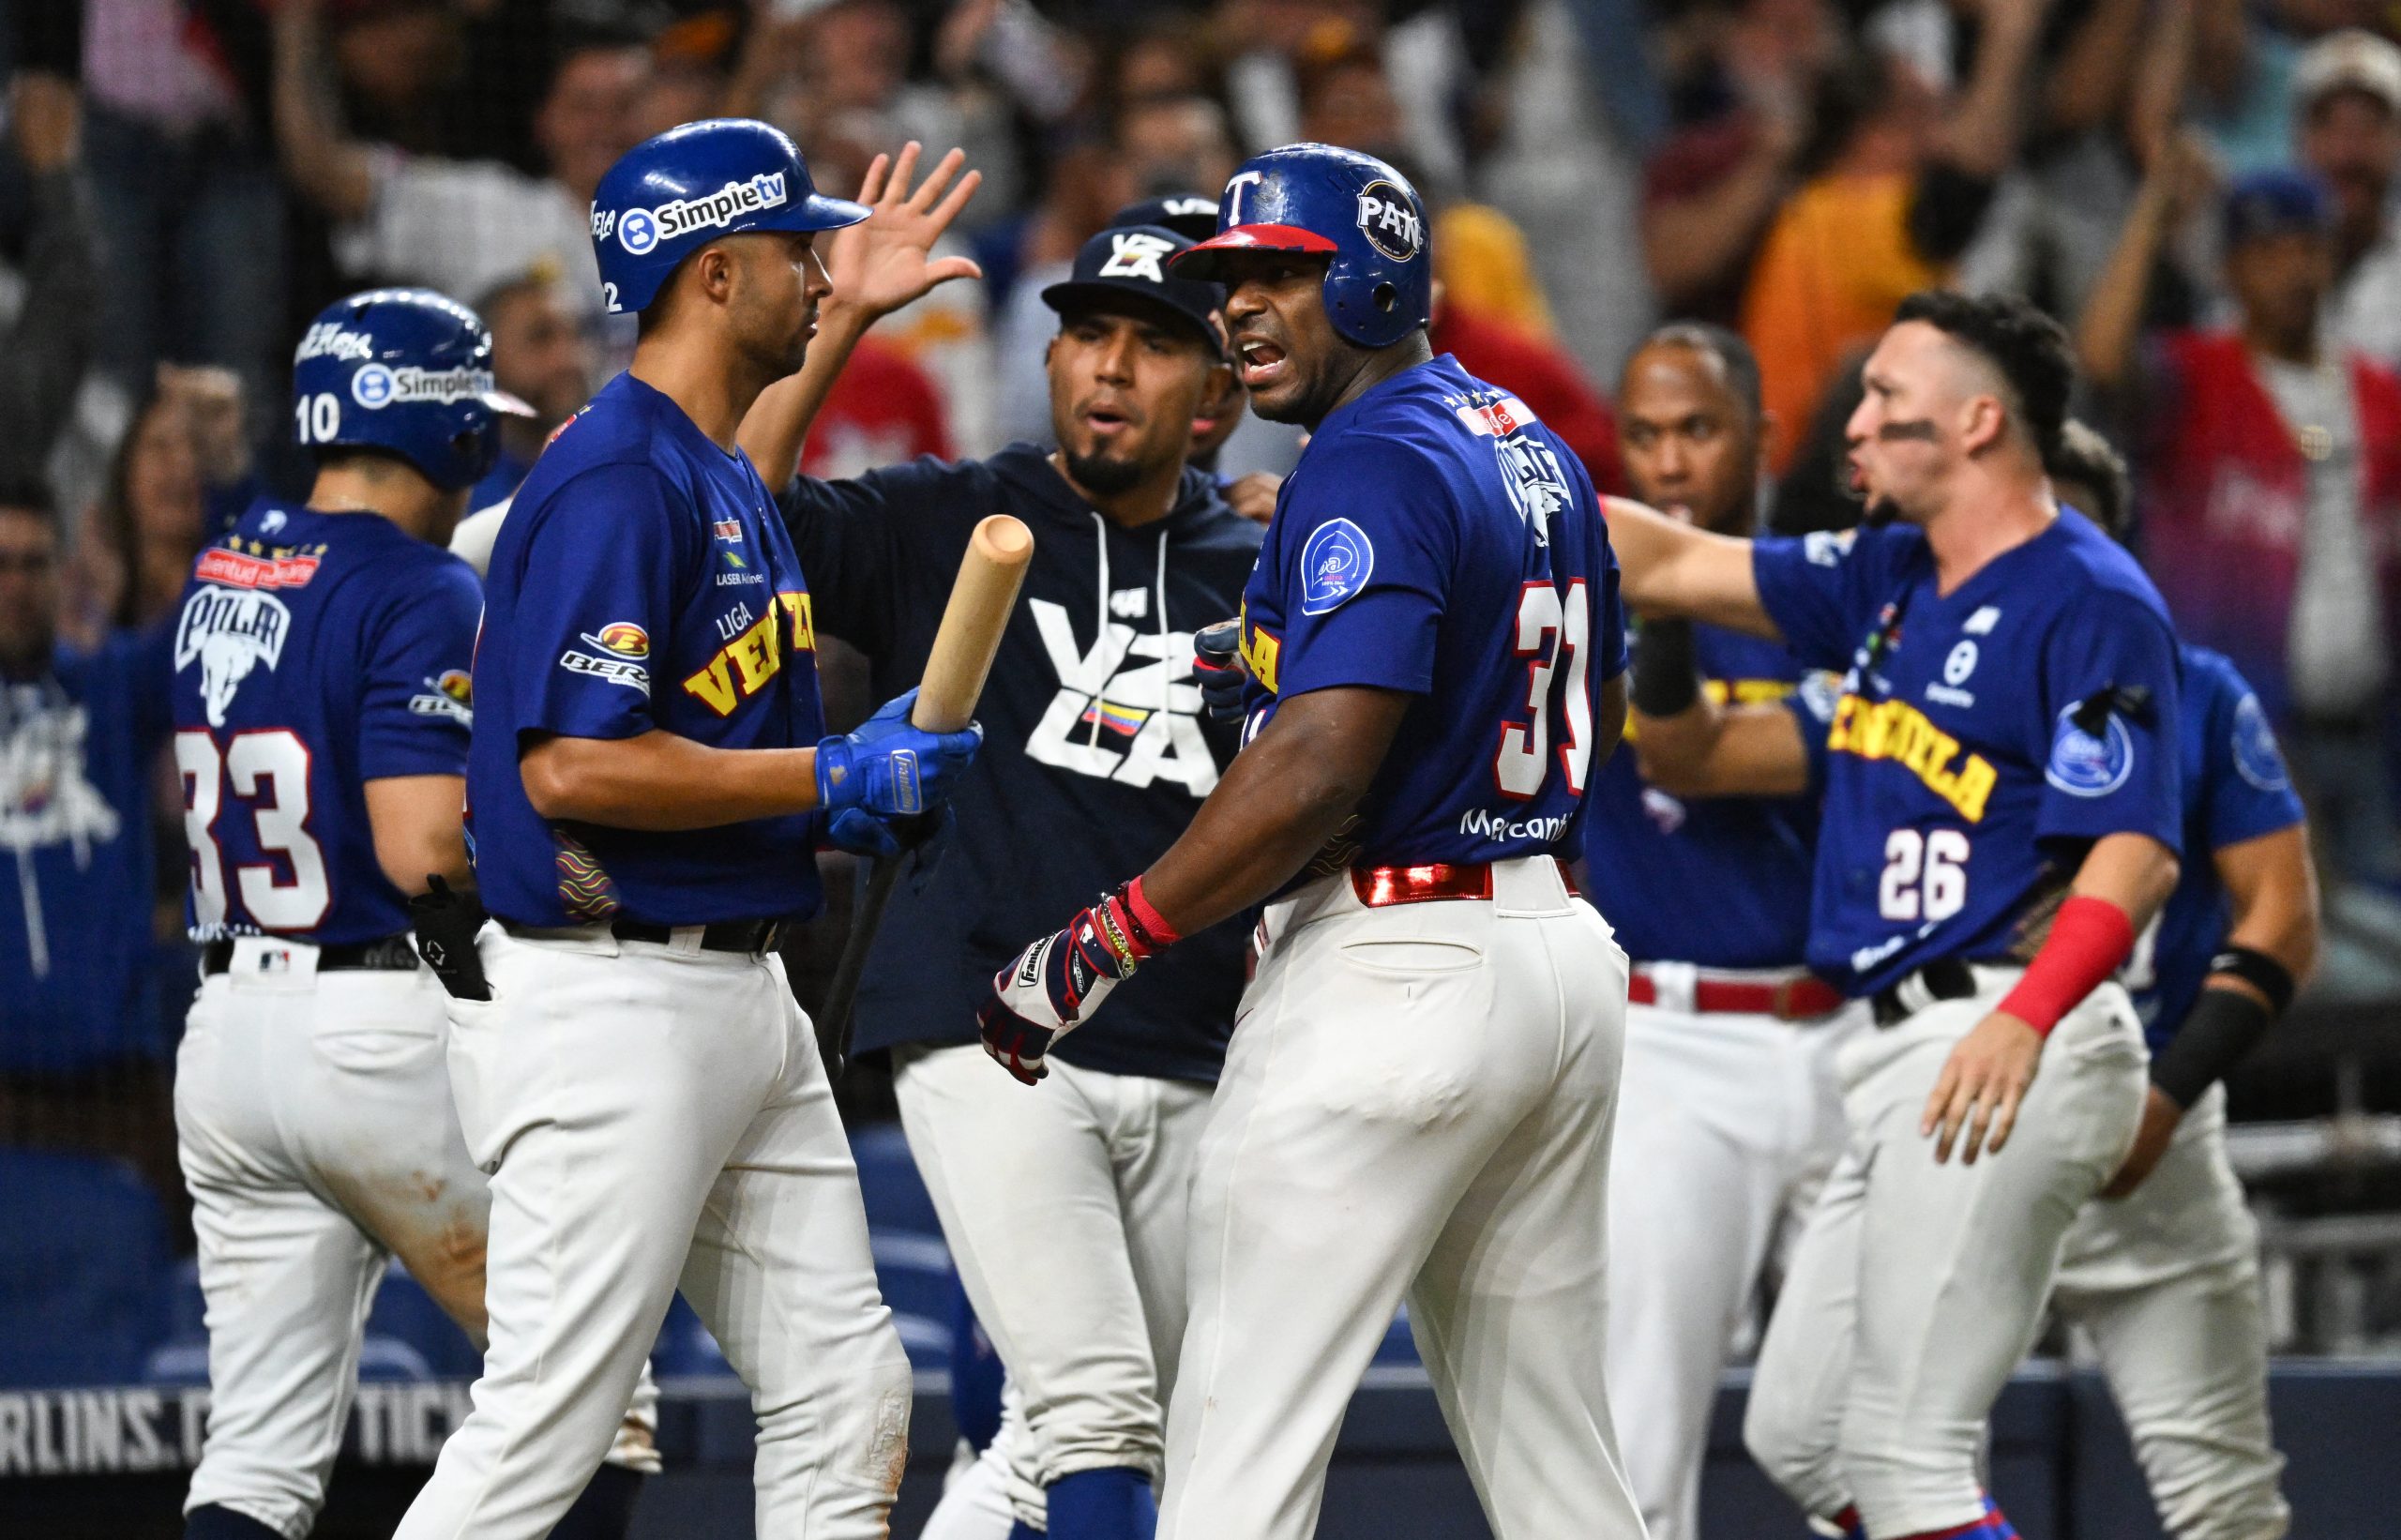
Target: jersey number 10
1550 632
270 771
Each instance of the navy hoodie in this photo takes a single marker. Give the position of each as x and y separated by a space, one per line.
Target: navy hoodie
1097 749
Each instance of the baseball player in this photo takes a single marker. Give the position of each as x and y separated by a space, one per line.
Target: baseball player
1066 1211
2163 1273
1419 1091
1730 1102
2001 820
645 788
321 707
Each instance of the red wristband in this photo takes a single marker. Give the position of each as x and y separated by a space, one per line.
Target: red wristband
2090 938
1155 930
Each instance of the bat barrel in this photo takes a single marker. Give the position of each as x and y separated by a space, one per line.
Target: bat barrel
970 634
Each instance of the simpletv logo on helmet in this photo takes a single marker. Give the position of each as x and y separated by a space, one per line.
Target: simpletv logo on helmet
1391 226
641 230
377 386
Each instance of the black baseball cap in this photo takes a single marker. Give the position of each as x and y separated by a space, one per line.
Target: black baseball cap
1190 215
1131 263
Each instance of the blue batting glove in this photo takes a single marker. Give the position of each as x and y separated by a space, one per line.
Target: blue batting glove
889 767
862 832
1216 667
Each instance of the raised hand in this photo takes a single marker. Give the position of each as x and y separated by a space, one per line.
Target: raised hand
886 262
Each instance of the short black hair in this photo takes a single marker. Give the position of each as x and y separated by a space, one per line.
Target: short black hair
2087 459
1733 355
30 494
2027 347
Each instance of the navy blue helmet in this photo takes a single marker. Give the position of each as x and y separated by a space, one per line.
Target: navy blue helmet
407 372
675 192
1351 208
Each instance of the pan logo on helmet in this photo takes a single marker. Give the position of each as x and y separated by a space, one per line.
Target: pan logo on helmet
1388 221
639 230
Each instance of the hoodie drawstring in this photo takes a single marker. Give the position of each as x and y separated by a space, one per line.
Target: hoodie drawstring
1166 664
1100 622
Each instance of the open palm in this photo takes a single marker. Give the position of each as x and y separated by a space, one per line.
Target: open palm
888 262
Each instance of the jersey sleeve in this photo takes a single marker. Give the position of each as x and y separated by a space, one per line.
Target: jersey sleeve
2246 789
1824 589
1373 537
601 572
417 707
2109 740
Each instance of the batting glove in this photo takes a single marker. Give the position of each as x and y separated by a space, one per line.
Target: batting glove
1055 984
1216 664
890 768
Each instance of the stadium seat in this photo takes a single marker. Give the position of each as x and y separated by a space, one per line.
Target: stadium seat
408 1336
896 1198
79 1300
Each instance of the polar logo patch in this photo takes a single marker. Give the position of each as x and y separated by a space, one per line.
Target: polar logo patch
2090 765
1133 254
1537 487
1389 223
228 632
1335 563
2256 757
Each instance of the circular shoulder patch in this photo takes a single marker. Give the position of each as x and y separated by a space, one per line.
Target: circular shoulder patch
1335 563
2086 765
2256 758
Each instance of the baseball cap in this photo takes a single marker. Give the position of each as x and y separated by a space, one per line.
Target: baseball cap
1190 215
2349 60
2276 202
1131 261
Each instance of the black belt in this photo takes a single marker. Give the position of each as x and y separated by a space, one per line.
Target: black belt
1946 979
389 955
753 937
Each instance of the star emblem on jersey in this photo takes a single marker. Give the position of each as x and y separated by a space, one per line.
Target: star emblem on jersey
1337 561
1133 254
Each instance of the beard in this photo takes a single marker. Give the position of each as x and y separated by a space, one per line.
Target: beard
1107 475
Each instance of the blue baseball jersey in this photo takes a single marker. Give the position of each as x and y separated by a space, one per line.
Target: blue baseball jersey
313 652
2235 788
1983 739
1438 540
1721 881
641 582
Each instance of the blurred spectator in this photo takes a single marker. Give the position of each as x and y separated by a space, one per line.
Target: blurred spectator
54 308
191 213
1711 188
2243 79
2347 91
882 410
1896 189
459 226
154 515
83 1040
2270 461
540 356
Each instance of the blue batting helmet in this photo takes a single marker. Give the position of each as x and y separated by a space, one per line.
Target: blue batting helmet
1338 204
675 192
407 372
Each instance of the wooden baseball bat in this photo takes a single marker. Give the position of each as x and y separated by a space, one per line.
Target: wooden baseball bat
981 600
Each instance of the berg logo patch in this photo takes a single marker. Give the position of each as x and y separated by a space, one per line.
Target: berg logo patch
620 637
1335 563
641 230
2088 764
1388 221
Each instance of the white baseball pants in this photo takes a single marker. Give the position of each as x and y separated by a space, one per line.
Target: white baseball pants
1917 1288
1418 1101
318 1139
655 1116
2165 1285
1738 1118
1066 1207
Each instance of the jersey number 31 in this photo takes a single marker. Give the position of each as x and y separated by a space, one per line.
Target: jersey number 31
270 771
1551 631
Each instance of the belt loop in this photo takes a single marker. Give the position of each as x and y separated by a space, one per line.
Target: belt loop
1529 885
687 938
1672 986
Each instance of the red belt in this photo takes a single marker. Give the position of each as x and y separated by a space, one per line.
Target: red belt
1789 1000
1381 887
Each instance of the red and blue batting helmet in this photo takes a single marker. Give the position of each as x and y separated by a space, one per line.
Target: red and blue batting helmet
675 192
1349 207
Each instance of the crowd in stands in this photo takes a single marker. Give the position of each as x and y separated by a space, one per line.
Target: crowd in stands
2202 190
